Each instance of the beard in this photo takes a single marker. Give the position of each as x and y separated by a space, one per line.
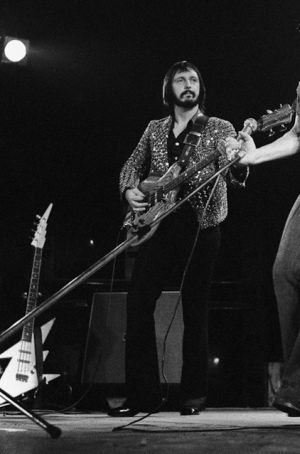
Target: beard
186 103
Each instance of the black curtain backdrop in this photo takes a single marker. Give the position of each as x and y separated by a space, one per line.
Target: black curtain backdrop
72 115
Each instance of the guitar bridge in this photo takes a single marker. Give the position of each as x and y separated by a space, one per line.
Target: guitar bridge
22 377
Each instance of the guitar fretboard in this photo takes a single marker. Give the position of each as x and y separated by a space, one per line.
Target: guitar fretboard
181 178
32 293
184 176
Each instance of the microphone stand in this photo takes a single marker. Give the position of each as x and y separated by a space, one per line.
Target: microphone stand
52 430
103 261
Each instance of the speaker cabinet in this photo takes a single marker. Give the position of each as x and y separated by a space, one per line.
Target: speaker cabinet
105 346
231 378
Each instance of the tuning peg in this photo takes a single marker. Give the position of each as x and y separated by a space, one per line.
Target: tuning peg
271 133
282 128
269 111
38 216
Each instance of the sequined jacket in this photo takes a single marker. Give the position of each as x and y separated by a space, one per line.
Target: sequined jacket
153 146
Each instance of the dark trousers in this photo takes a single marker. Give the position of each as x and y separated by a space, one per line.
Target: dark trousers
286 276
165 253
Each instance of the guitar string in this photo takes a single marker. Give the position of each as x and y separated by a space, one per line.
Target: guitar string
25 361
157 195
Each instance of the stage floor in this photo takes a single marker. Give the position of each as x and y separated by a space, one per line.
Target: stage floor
264 430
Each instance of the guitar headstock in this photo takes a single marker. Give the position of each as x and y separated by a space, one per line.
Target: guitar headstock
278 117
40 233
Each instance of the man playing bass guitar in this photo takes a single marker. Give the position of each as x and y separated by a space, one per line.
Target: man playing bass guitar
188 239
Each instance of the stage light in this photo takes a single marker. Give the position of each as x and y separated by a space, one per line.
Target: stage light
15 50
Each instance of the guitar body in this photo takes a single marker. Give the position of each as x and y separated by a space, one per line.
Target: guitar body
153 184
159 202
20 375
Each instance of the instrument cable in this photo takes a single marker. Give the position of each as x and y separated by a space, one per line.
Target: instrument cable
165 399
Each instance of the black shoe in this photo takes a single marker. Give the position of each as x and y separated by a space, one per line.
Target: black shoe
123 411
193 407
127 409
186 410
286 407
288 400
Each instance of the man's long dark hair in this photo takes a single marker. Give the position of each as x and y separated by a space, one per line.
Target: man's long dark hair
181 66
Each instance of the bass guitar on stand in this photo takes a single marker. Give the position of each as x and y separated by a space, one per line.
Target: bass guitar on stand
21 374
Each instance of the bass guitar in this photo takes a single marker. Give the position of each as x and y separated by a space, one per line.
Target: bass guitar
161 192
20 375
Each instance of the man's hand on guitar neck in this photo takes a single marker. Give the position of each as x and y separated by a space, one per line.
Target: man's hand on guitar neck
135 199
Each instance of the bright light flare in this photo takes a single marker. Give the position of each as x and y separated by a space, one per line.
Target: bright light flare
15 50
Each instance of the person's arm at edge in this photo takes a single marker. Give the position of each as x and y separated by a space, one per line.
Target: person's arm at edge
285 146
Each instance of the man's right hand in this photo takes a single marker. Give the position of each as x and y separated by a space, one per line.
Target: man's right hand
135 199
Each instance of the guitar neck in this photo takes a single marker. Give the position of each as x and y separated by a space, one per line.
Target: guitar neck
32 293
184 176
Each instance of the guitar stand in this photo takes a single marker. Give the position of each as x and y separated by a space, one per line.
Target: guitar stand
54 431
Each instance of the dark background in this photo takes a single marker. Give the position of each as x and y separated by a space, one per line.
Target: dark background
73 114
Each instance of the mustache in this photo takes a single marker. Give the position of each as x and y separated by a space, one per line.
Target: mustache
187 92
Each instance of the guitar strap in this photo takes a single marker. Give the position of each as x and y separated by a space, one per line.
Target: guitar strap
192 139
